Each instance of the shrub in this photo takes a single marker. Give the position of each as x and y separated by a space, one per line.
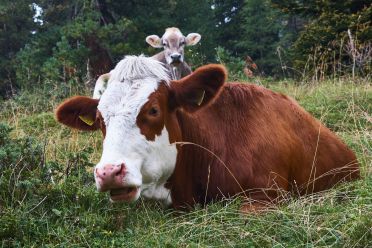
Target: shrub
234 65
19 158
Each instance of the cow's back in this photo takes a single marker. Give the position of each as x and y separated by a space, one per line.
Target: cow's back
251 139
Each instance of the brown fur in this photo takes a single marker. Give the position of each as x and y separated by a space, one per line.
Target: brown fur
250 68
261 142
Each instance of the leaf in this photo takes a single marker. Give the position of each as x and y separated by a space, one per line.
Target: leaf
56 212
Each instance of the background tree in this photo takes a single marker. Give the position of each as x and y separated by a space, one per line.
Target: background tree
228 23
77 40
321 46
16 26
261 29
82 39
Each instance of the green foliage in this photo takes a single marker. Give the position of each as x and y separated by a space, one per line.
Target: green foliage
229 23
261 30
80 39
18 160
40 99
27 180
233 64
16 24
66 41
322 47
333 105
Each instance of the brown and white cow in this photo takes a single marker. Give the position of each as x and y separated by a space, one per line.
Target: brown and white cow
200 139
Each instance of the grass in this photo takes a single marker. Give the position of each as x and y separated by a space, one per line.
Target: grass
48 198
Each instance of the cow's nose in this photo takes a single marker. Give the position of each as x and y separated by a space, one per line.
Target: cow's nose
176 57
110 176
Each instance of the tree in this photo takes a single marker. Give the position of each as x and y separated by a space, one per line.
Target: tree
320 46
228 20
16 26
80 38
261 34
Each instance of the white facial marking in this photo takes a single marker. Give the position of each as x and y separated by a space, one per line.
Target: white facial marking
147 163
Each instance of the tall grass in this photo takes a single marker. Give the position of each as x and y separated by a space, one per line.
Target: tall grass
48 196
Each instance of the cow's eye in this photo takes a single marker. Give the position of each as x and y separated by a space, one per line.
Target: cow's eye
182 43
153 111
165 44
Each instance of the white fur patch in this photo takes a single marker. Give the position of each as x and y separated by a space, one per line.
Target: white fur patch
139 67
129 68
101 85
159 193
148 164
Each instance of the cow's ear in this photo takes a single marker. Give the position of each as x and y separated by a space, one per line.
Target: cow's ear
154 41
198 89
192 39
78 112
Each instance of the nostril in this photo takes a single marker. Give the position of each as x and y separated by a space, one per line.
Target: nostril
175 56
110 176
121 170
109 172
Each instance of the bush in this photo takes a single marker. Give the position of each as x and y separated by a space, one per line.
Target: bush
27 180
19 158
234 65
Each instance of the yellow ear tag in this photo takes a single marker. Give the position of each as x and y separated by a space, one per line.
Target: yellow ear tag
86 119
201 98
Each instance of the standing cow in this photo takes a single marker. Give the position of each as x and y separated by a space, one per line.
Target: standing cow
198 139
173 42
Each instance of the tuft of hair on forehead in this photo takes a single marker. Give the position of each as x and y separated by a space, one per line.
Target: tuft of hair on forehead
172 30
132 81
139 67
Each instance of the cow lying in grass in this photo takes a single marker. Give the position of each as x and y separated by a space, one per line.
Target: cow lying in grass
173 42
200 139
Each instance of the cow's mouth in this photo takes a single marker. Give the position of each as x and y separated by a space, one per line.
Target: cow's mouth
126 194
176 62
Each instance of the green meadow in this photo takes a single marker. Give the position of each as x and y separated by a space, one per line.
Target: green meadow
48 196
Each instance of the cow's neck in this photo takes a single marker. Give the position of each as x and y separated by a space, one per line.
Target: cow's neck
204 143
193 140
175 72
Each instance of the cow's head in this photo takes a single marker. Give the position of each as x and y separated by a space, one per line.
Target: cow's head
137 117
173 43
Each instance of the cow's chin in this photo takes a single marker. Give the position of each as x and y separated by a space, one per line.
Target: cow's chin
125 194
